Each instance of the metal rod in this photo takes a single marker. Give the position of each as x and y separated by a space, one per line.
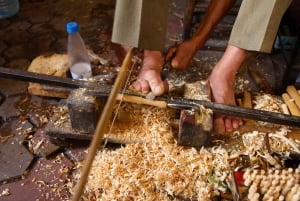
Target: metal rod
235 111
99 131
97 89
44 78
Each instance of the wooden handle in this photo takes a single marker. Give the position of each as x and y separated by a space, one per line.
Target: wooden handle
140 100
291 105
292 91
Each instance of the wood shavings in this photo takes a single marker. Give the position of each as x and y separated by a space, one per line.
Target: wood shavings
241 84
200 90
267 102
157 169
254 141
38 145
60 116
5 192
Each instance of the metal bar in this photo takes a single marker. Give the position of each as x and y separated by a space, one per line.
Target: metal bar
44 79
248 113
227 110
104 90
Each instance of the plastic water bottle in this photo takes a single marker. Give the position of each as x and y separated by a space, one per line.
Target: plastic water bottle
80 65
8 8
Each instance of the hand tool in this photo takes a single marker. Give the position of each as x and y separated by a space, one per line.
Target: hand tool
234 187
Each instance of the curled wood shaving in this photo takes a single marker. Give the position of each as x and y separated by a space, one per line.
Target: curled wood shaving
5 192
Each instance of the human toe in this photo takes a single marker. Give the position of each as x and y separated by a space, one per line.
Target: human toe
159 87
228 124
141 85
219 127
236 123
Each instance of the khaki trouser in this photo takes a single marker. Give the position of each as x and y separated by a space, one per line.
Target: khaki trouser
141 23
257 23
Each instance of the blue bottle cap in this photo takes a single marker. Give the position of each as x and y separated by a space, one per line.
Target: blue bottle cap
72 27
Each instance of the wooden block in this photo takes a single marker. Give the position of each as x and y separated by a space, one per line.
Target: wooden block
56 65
84 110
48 91
195 126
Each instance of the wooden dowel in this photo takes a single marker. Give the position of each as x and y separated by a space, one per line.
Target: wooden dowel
294 110
101 125
247 103
285 109
292 91
141 100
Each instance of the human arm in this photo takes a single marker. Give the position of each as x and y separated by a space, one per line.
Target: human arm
184 52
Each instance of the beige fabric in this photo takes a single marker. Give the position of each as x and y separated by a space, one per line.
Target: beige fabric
257 24
141 23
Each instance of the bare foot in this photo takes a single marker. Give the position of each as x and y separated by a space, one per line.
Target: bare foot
222 92
149 78
222 81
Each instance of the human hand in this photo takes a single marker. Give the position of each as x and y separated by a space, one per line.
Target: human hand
182 54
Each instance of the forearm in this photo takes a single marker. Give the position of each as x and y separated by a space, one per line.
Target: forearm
215 12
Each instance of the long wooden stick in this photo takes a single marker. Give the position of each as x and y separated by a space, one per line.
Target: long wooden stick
141 101
100 128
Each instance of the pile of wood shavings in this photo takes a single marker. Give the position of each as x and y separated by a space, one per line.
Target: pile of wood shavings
267 102
278 140
157 169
